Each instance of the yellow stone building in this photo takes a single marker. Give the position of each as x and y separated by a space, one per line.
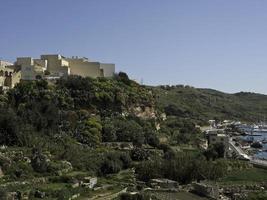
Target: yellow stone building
61 66
86 68
31 69
51 67
9 75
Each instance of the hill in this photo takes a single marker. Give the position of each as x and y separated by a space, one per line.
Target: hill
205 104
55 136
61 131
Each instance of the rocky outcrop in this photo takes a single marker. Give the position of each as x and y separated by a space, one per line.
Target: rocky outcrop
144 112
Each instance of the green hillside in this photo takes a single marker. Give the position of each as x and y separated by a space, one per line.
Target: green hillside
205 104
54 135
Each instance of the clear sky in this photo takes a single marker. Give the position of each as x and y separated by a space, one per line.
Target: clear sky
220 44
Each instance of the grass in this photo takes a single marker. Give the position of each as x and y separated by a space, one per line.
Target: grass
177 196
77 174
53 186
97 194
205 104
123 177
257 196
247 176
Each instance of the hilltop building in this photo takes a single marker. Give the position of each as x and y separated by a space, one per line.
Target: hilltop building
84 67
5 63
51 67
9 74
58 66
31 69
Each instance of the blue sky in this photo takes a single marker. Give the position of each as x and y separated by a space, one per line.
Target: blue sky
220 44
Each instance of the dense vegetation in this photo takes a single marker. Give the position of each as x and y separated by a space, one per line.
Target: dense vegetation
204 104
77 127
52 128
87 110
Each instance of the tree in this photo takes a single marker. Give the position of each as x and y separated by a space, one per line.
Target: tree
215 151
147 170
126 160
112 164
38 161
109 131
3 194
211 154
152 139
220 149
89 132
9 131
139 154
169 154
172 109
129 131
122 76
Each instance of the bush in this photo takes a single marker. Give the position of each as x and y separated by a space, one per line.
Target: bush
9 132
147 170
110 166
257 196
19 169
122 76
39 161
126 160
183 168
3 194
139 154
152 139
64 194
89 132
215 151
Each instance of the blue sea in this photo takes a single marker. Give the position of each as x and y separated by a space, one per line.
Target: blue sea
259 136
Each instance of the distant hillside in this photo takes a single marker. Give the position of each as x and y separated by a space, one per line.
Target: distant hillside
204 104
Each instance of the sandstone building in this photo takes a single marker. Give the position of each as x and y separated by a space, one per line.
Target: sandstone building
51 67
9 74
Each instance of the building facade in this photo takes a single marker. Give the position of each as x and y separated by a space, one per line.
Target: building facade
31 69
49 67
9 75
4 63
86 68
57 65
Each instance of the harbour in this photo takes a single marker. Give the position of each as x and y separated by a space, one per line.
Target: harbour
256 135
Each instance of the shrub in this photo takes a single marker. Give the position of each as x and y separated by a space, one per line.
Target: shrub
126 160
39 161
3 194
122 76
139 154
110 166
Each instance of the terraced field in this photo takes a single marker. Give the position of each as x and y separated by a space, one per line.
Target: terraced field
177 196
